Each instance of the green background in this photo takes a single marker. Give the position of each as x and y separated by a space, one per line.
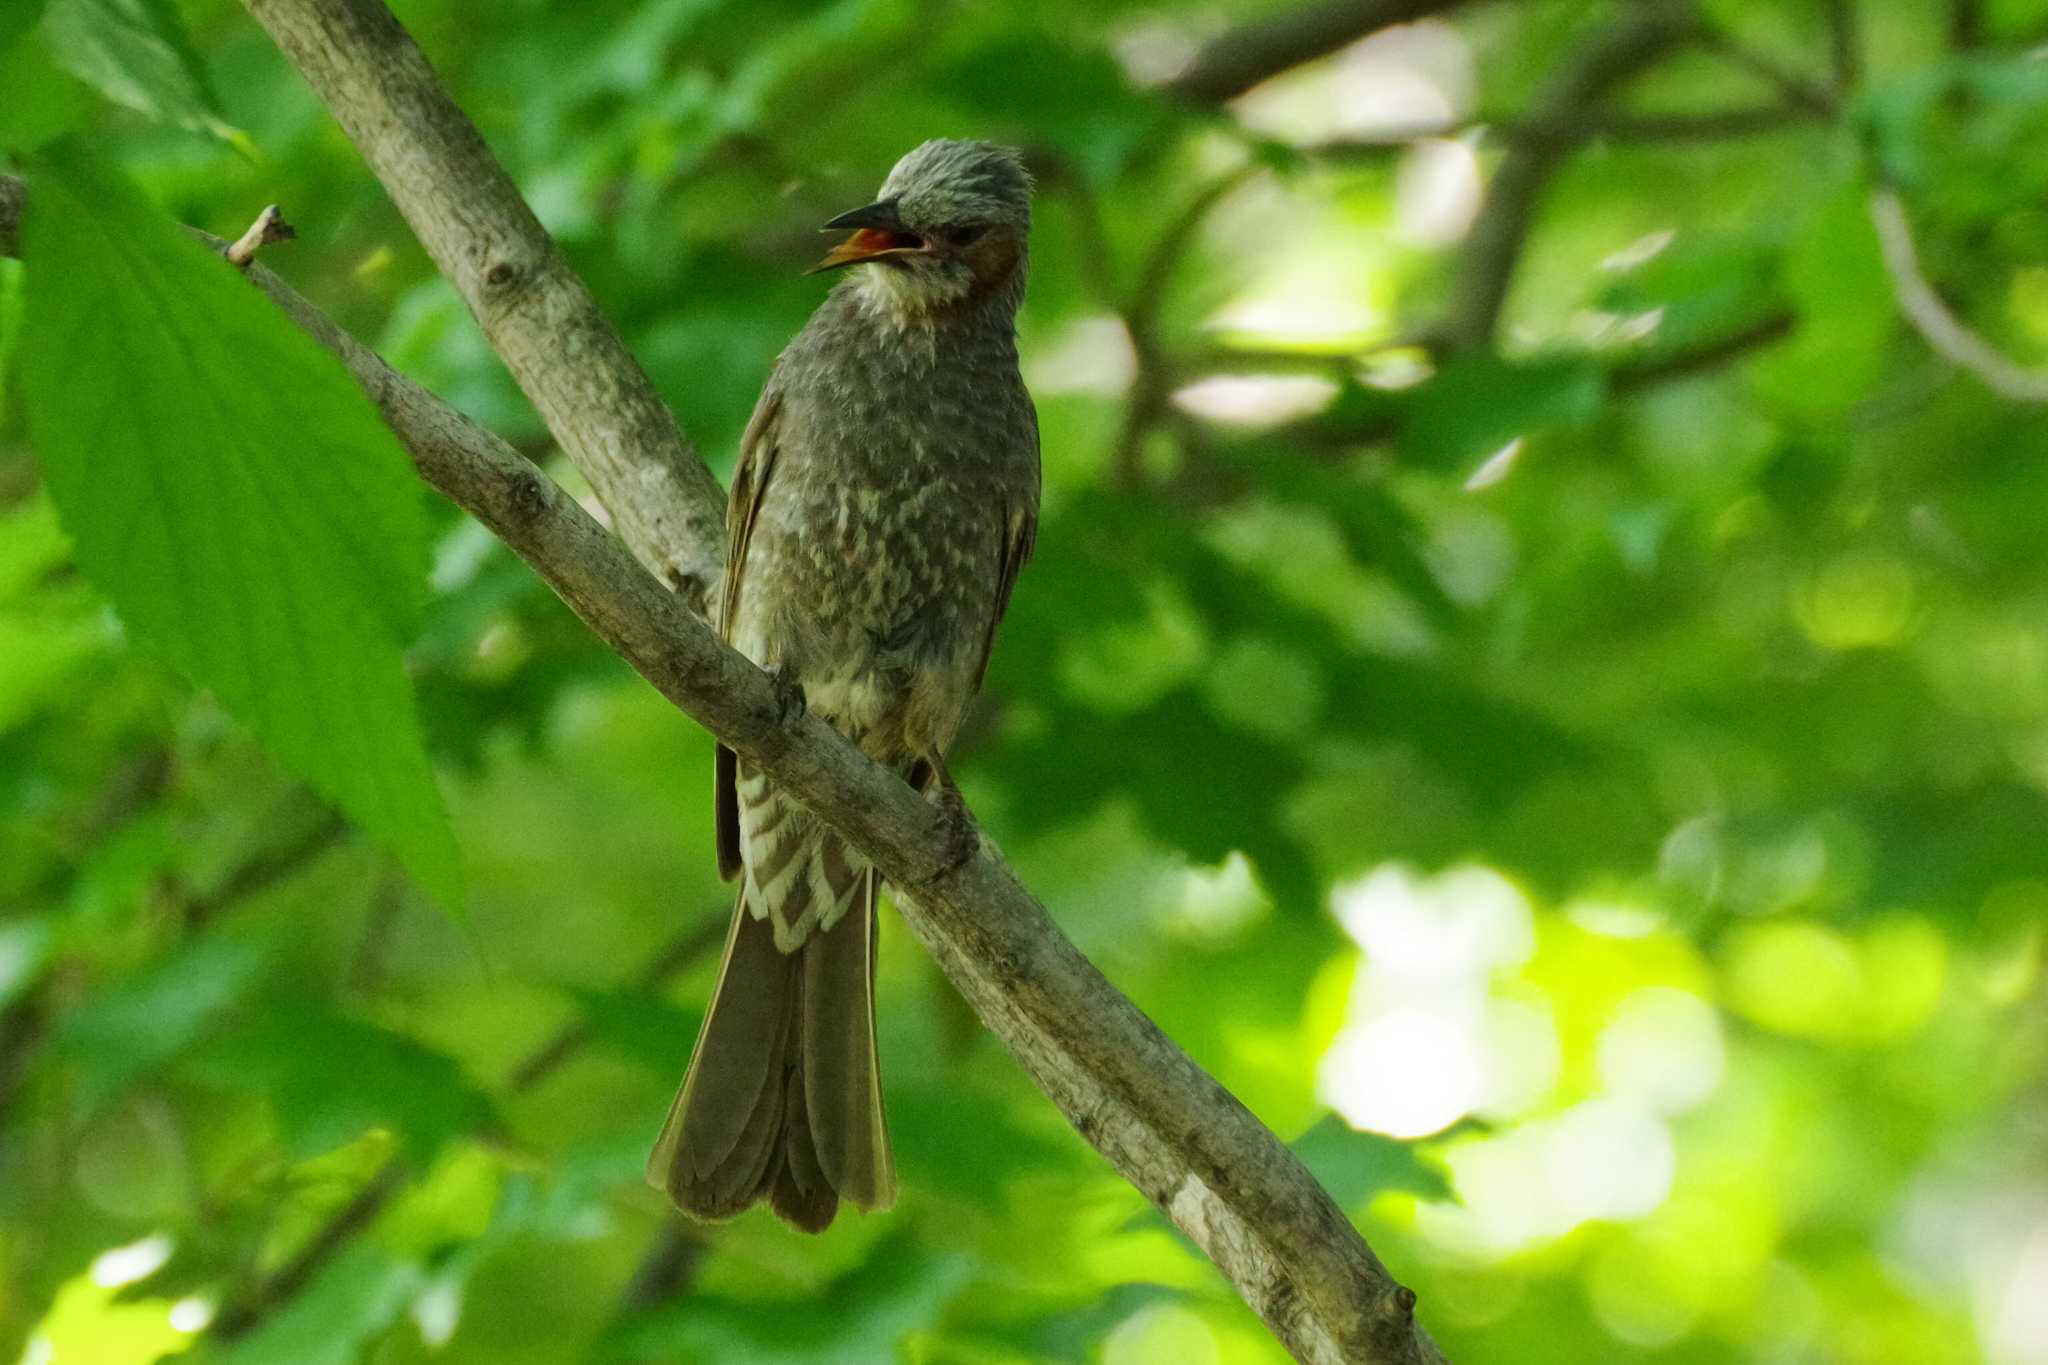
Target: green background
1588 789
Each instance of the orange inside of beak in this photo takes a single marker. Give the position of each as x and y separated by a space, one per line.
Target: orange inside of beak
866 244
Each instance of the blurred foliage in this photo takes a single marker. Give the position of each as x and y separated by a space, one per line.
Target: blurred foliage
1590 790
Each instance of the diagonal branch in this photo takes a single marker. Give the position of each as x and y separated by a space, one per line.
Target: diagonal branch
1239 59
539 315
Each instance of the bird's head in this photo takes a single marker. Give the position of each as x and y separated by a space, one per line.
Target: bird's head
948 229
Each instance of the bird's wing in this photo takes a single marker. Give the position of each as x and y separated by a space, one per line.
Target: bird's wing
758 448
749 480
1020 534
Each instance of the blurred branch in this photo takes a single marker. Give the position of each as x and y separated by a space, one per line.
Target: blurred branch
1845 43
1152 382
265 870
1706 125
1965 24
1795 88
1609 57
536 311
240 1316
1235 61
13 199
1203 486
669 1263
1931 316
1707 356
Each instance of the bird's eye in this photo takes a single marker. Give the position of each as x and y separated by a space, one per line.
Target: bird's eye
967 236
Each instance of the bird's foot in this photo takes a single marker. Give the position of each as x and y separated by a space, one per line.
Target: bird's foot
790 702
960 837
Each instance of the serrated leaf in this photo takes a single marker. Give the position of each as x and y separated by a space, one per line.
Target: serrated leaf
232 493
135 53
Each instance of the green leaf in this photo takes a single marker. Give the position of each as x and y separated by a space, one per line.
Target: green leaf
135 53
233 494
42 102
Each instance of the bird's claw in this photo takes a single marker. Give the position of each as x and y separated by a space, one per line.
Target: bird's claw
790 702
960 836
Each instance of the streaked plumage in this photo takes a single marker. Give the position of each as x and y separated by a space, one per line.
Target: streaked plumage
885 498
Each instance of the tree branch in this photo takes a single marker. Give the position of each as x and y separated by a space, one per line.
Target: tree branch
1234 62
538 314
1610 56
1164 1123
1588 125
1931 316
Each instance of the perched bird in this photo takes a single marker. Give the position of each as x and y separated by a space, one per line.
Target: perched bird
886 496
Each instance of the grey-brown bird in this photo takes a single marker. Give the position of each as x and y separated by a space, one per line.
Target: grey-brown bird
886 496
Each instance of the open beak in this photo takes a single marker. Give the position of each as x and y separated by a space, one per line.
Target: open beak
878 234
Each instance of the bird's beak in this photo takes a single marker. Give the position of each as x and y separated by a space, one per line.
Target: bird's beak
878 233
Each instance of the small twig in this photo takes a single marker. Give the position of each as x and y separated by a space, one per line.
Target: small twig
1931 316
266 869
1695 360
269 227
1151 385
1168 250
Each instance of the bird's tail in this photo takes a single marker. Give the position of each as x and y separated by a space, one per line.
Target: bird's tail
783 1098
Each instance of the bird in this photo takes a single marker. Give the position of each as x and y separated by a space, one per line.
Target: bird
884 500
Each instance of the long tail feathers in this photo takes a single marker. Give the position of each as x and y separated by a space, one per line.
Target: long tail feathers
783 1097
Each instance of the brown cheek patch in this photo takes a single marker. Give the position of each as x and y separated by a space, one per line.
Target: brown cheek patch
993 259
